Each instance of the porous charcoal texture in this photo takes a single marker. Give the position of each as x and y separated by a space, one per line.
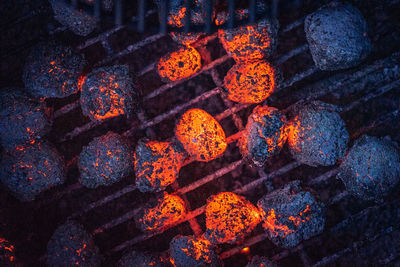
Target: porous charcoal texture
264 135
108 92
291 215
28 170
71 245
141 259
371 169
52 70
105 160
78 21
337 36
258 261
317 134
191 251
22 119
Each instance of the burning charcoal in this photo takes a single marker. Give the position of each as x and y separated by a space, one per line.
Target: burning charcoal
21 119
108 92
27 170
291 215
250 82
179 64
201 135
139 259
371 169
52 70
7 256
317 134
229 218
157 164
107 5
78 21
264 136
192 251
165 211
71 245
337 36
251 42
258 261
106 160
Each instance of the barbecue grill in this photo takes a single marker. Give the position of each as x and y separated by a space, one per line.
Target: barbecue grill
356 231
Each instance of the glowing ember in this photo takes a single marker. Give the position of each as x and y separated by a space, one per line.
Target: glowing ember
157 164
141 259
229 218
179 64
108 92
191 251
258 261
201 135
264 136
7 257
251 42
291 215
250 82
166 211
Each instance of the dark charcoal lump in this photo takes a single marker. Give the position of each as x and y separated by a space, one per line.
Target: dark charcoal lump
71 245
337 36
191 251
107 5
258 261
291 215
264 135
52 70
21 118
28 170
371 169
141 259
108 92
318 135
105 160
78 21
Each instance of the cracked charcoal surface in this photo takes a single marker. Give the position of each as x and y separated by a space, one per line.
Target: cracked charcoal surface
105 160
21 118
337 36
108 92
291 215
52 70
191 251
371 169
251 42
28 170
79 22
264 135
141 259
157 164
317 134
258 261
71 245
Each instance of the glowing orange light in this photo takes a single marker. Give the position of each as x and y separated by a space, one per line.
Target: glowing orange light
8 250
201 135
245 250
229 217
177 19
179 64
270 223
294 136
81 81
250 82
168 210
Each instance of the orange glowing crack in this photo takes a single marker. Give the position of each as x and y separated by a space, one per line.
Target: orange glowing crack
178 19
270 223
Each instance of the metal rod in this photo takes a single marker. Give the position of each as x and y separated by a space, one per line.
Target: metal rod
231 11
118 13
141 15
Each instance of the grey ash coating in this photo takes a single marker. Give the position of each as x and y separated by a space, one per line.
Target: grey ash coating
21 118
79 22
258 261
296 209
337 36
27 170
264 122
371 169
185 249
71 245
142 259
52 70
105 160
108 90
322 136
